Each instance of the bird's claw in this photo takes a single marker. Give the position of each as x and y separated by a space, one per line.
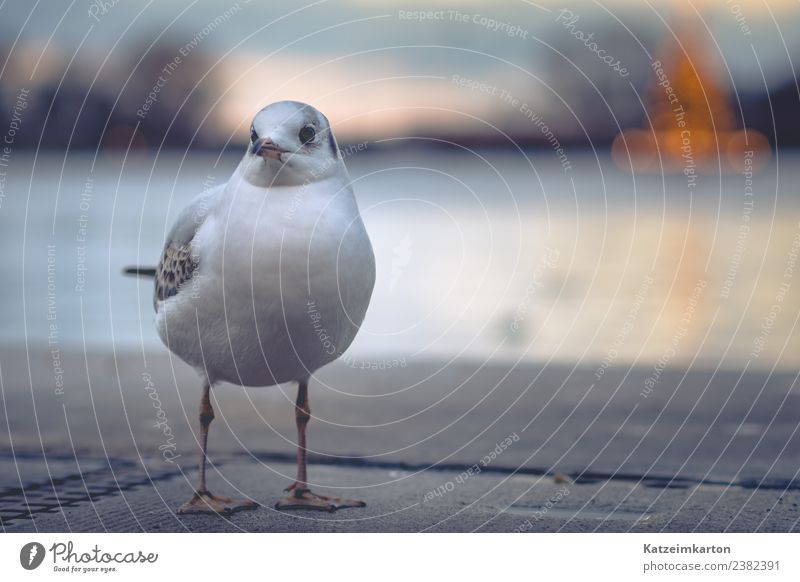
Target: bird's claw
305 499
207 502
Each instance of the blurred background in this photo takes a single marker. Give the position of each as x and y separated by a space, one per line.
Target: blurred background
519 164
596 185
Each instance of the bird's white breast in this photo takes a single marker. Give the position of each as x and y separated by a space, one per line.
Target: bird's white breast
283 282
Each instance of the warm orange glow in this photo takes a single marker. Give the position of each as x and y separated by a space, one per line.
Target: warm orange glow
362 104
690 124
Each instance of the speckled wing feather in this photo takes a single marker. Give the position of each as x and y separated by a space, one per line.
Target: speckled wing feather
175 268
178 263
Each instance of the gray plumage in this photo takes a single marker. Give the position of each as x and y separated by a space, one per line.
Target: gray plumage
177 264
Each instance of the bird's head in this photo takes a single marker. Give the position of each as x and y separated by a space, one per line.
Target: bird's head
291 143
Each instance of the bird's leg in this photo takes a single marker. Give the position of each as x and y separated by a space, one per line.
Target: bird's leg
203 501
300 497
302 413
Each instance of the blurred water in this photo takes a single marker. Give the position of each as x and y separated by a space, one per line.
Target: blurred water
494 256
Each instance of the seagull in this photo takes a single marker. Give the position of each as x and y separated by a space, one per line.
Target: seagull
266 278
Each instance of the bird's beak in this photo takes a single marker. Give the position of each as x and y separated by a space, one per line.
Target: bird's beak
266 148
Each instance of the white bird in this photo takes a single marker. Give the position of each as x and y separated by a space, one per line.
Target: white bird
267 278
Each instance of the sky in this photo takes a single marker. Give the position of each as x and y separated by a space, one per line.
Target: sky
379 66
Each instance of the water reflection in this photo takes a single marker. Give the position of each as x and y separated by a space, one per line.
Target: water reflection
486 258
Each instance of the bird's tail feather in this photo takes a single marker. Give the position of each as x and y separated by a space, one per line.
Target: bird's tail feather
140 271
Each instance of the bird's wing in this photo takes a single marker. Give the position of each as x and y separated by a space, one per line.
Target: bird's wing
178 262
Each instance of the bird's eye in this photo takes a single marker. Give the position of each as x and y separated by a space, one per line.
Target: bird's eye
253 134
307 134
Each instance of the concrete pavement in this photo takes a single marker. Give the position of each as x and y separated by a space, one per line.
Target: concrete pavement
406 500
